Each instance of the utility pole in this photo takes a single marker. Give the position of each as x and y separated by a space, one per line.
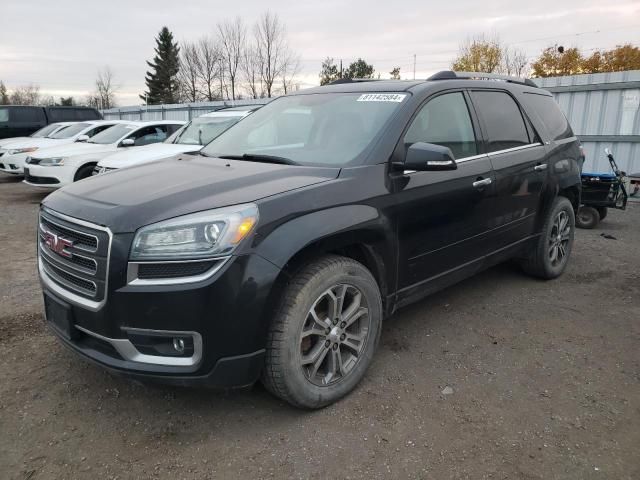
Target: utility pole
340 68
414 66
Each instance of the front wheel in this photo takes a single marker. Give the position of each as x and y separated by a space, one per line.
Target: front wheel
551 252
325 333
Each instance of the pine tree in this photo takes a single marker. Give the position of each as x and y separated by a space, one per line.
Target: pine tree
162 81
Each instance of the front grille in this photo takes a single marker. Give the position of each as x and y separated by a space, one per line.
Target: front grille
73 255
2 165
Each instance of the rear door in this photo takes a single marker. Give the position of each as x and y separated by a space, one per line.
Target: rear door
443 215
517 156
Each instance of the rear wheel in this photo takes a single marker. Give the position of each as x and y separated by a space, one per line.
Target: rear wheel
587 217
603 212
325 333
84 172
550 256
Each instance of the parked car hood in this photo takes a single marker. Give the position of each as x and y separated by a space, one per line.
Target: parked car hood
7 141
72 149
126 199
126 157
38 142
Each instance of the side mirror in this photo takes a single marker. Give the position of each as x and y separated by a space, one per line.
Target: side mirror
424 157
82 138
128 142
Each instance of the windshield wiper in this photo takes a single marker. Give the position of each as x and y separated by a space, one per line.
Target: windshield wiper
258 157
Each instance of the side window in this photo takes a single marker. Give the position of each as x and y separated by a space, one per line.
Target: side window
502 119
148 135
550 114
96 130
27 114
445 121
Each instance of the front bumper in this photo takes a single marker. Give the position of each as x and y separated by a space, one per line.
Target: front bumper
13 164
49 176
226 314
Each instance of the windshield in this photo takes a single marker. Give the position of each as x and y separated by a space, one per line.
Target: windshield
4 114
201 131
329 129
113 134
69 131
44 131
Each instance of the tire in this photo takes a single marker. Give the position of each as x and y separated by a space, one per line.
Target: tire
298 368
587 217
603 212
84 172
550 254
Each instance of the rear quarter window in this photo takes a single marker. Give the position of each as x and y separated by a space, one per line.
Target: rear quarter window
549 113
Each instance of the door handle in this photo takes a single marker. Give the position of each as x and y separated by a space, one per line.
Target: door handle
482 183
541 167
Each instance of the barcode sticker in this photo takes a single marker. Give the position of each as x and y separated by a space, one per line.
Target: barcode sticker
382 97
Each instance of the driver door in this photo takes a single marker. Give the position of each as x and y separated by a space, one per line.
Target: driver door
443 216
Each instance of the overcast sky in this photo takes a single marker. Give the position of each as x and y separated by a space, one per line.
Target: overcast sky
60 45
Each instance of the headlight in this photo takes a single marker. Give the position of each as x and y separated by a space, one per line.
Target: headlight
199 235
52 162
22 150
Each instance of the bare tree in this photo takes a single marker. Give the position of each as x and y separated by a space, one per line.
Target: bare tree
25 95
188 72
514 62
290 69
252 73
272 49
232 37
106 88
208 67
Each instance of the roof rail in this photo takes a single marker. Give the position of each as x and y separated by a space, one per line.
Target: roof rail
451 75
352 80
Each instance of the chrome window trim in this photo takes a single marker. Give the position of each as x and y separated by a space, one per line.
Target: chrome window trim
515 149
462 160
129 352
64 293
132 272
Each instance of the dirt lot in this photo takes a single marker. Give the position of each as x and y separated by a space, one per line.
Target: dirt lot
545 381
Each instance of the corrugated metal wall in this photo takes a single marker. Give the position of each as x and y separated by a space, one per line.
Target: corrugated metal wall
183 111
604 111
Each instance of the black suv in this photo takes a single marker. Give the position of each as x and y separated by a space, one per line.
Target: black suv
21 121
277 252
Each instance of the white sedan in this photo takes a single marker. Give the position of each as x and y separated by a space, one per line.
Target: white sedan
43 132
59 166
190 138
14 155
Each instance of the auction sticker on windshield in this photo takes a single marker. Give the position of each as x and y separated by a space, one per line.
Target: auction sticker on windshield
382 97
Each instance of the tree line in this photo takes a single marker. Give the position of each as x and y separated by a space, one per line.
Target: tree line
233 62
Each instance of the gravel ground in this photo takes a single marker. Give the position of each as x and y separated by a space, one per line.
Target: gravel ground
501 376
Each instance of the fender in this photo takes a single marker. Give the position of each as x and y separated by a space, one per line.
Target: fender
331 229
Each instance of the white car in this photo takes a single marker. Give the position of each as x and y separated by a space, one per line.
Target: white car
56 167
190 138
43 132
13 158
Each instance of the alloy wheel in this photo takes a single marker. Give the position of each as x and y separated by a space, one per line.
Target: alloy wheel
559 238
334 335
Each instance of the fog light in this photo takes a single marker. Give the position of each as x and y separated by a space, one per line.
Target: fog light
178 345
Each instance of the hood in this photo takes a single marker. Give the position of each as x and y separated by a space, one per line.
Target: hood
148 153
125 200
72 149
7 141
37 142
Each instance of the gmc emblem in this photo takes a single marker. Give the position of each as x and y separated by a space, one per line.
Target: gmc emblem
57 244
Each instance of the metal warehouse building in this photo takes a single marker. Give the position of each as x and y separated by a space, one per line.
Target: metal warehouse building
604 111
